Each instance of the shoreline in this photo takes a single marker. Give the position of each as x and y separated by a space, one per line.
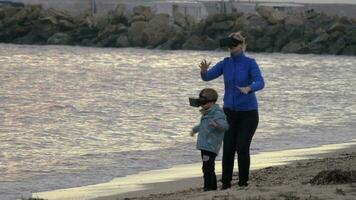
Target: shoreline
183 180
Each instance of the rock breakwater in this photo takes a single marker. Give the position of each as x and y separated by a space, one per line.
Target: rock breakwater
268 30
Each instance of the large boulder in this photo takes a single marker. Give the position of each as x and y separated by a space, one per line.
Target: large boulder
264 44
17 17
109 41
257 26
154 38
219 17
63 19
137 18
349 50
10 33
107 32
311 14
333 37
83 18
29 39
197 29
100 20
8 11
144 11
294 32
220 26
179 19
317 48
120 10
159 20
174 42
66 25
83 33
35 11
323 38
337 47
271 15
351 37
293 20
275 31
240 24
295 47
183 20
119 15
280 41
60 39
310 32
122 41
347 21
337 26
20 31
135 33
190 20
195 42
158 30
43 29
58 14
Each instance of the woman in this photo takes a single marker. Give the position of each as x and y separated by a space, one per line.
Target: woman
242 78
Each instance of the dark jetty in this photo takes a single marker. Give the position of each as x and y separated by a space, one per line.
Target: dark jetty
268 30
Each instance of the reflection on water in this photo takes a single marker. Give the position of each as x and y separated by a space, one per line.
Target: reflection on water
94 114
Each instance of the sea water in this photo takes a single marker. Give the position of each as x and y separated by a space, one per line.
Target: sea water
74 116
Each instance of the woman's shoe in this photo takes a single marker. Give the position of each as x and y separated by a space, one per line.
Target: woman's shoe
242 184
209 189
225 186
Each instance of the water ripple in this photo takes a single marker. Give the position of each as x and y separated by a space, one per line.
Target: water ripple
94 113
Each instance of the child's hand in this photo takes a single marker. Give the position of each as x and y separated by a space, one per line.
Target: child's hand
213 123
191 133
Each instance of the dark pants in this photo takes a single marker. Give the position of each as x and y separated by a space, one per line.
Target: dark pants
208 159
238 138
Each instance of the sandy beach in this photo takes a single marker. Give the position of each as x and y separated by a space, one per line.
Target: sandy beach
331 176
325 172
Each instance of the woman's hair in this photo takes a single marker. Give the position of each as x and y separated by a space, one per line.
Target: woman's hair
238 36
210 94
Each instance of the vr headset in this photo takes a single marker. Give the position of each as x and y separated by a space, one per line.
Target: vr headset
196 102
229 42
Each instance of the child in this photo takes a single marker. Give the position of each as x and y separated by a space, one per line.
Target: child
211 130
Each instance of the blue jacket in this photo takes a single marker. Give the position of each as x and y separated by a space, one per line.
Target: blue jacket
210 138
238 71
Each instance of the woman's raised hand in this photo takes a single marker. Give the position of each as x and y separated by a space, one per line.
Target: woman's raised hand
204 66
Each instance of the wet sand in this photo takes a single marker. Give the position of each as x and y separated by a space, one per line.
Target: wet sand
275 175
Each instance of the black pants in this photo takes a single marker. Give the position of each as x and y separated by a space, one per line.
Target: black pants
243 125
208 159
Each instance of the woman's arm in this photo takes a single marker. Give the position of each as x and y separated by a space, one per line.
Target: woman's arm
258 82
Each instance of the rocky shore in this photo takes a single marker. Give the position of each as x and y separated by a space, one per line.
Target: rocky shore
267 31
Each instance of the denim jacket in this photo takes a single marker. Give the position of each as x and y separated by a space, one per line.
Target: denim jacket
210 138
